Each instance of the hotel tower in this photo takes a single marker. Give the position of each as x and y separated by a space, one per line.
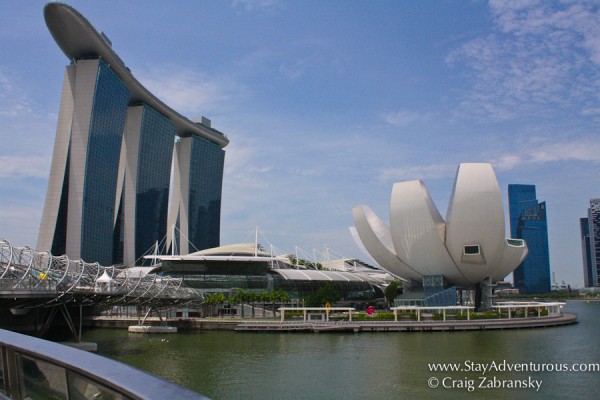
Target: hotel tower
120 157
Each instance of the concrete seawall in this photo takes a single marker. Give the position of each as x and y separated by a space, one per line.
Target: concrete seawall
182 324
246 325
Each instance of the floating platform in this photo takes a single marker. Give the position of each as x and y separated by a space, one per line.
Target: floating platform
407 326
151 329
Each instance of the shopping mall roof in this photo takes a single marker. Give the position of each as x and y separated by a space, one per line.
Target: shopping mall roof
316 275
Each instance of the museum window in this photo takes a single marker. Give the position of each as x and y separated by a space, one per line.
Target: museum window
471 249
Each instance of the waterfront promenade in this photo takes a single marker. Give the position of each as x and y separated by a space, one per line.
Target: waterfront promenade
271 325
407 326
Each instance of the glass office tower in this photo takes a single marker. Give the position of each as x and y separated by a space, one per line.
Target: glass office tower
586 251
528 221
594 232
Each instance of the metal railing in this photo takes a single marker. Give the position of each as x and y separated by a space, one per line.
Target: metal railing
32 368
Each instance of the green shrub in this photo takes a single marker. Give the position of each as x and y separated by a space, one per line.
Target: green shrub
291 314
483 315
379 316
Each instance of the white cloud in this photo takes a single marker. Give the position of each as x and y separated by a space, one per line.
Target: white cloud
567 151
422 172
255 5
543 150
189 91
20 222
576 22
243 168
507 162
24 166
400 118
533 151
540 56
13 103
294 70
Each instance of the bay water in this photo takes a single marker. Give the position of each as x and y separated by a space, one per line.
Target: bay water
542 363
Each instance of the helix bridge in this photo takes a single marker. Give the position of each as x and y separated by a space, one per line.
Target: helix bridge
30 278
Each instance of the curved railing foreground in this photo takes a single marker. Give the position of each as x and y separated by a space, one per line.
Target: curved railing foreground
36 368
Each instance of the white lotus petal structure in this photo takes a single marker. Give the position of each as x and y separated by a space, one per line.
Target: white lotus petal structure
467 248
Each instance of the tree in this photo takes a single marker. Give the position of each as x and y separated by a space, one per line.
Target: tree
392 290
251 297
264 297
274 297
214 299
328 293
281 296
239 297
305 263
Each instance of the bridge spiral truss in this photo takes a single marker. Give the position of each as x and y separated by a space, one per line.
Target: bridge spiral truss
23 270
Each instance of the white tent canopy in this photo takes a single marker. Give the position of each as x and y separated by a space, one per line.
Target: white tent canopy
105 278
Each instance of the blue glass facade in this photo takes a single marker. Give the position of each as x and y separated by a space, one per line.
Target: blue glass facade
109 111
528 221
586 250
594 231
107 121
206 181
157 137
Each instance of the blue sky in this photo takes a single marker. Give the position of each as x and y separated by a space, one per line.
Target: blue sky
328 103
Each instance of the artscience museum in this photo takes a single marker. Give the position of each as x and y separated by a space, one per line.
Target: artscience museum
440 258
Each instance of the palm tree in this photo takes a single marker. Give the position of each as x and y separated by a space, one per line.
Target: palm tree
279 296
213 299
265 297
251 297
239 297
219 298
282 296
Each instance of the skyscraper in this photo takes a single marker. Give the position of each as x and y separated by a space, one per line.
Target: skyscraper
108 191
528 221
586 251
195 211
591 245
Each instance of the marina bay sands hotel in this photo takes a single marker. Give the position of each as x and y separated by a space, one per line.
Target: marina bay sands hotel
121 156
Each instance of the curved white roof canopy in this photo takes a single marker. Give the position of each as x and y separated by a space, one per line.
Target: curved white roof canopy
78 39
468 248
238 249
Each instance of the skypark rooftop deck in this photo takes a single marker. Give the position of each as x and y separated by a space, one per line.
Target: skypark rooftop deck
78 39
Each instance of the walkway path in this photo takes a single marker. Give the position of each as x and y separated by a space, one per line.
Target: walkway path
406 326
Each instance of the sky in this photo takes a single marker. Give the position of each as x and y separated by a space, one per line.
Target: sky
328 103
